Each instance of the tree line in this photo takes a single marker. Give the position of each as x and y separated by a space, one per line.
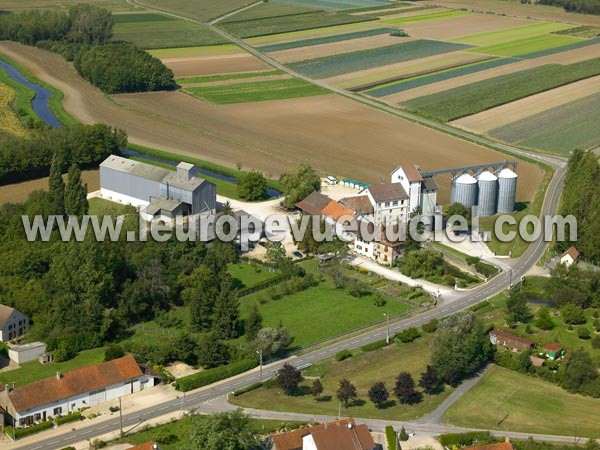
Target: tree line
83 35
578 6
25 158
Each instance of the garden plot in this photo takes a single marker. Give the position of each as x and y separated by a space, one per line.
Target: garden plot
522 110
148 30
560 129
352 62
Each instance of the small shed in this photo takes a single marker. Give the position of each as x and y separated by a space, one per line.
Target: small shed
554 351
510 341
26 352
570 256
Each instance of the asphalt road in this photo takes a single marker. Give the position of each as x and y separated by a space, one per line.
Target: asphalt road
499 283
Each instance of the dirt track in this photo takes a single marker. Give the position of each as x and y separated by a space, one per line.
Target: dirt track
336 135
521 109
567 57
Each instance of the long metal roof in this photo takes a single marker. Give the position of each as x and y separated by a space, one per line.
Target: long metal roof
136 168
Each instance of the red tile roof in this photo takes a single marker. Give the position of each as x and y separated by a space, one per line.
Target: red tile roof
553 347
361 204
499 446
412 173
79 381
336 210
145 446
572 252
328 434
5 313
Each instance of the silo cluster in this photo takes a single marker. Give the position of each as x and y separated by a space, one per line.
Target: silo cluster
492 193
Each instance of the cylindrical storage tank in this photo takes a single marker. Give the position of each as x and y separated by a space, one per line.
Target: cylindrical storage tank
464 190
488 193
507 191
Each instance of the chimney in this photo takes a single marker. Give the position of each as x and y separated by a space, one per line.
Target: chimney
58 375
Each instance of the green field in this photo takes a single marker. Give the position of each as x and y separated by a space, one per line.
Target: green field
527 45
204 10
330 66
257 91
479 96
560 129
337 4
247 275
34 371
320 312
527 404
326 39
269 9
228 76
275 25
154 31
512 34
186 52
12 5
363 370
426 17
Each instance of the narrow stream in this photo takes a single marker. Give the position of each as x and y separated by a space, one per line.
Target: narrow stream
40 105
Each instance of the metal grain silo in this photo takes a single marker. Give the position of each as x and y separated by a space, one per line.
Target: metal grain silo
507 191
488 193
464 190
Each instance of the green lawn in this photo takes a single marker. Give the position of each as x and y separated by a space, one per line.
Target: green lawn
153 31
527 404
250 274
34 371
527 45
257 91
181 429
363 370
427 17
320 312
504 35
475 97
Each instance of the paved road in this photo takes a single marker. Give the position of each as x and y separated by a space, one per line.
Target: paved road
196 399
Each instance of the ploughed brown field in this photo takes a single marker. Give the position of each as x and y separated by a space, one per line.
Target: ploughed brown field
18 192
336 135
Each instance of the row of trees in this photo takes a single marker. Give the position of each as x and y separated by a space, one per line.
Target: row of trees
578 6
30 157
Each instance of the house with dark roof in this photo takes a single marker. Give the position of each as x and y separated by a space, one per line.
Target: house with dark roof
510 341
313 204
370 241
390 203
422 191
339 435
12 323
69 392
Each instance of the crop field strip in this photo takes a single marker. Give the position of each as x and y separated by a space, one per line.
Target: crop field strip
511 34
204 10
297 22
9 122
560 129
552 51
326 39
533 44
418 74
227 76
366 59
154 31
335 5
257 91
426 17
268 10
479 96
441 75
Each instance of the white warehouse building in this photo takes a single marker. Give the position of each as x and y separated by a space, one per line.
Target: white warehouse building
155 190
80 388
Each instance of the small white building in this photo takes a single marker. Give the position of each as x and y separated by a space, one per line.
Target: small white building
69 392
12 323
26 352
390 203
570 256
422 191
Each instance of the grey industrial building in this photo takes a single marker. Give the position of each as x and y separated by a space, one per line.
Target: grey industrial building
155 190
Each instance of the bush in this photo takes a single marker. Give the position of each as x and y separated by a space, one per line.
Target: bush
464 439
487 270
71 417
479 306
374 345
342 355
596 342
430 326
408 335
472 260
213 375
23 432
390 436
584 333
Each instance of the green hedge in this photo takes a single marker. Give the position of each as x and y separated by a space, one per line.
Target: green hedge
484 269
343 354
247 389
213 375
390 436
464 439
22 432
71 417
374 345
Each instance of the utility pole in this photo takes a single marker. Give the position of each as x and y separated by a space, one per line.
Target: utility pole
260 358
387 318
121 415
510 278
339 410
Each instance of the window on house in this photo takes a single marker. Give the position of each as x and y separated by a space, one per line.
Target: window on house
387 203
395 203
37 417
57 411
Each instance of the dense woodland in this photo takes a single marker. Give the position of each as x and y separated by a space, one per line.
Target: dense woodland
581 198
578 6
83 35
24 158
